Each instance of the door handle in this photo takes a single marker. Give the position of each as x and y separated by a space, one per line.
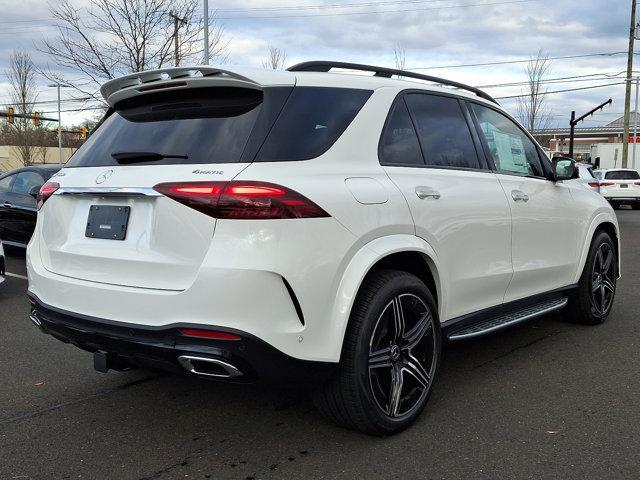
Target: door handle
519 196
426 192
7 205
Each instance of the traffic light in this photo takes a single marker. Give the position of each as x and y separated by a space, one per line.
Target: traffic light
36 119
10 113
83 132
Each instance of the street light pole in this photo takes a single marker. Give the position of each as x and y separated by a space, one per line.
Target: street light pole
59 128
627 97
206 32
635 126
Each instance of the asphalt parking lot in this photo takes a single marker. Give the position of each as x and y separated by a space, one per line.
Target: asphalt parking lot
547 399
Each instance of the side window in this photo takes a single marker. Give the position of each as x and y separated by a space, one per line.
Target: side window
399 145
25 181
512 151
5 183
443 131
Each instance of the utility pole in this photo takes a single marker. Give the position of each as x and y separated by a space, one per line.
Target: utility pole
59 85
206 32
177 21
574 121
635 126
627 98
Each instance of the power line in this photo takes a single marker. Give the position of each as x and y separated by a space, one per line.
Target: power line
574 78
507 62
562 91
327 6
255 17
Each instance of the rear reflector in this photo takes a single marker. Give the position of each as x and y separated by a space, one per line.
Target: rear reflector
194 332
242 200
45 193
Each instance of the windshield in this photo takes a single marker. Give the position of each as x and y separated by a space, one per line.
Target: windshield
622 175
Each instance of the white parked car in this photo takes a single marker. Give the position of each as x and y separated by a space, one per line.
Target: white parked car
249 224
2 263
620 186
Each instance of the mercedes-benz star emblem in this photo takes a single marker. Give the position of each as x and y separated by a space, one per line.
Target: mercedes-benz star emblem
104 176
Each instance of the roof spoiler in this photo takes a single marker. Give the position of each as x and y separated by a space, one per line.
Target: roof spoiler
179 77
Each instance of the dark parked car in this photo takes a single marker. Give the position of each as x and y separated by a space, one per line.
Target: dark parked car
18 190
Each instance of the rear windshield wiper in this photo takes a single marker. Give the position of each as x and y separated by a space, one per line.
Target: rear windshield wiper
139 157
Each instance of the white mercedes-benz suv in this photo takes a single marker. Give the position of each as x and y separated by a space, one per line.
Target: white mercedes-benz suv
246 225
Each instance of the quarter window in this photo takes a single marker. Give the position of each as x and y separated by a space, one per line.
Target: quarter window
443 131
399 144
511 149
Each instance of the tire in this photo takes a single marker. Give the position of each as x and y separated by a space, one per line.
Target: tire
360 396
588 306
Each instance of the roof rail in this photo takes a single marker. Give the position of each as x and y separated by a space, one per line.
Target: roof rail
325 66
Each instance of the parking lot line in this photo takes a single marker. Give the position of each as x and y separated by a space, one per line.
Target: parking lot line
15 275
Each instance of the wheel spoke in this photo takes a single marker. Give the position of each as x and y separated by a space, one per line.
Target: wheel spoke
599 258
595 286
396 391
418 332
414 368
608 285
608 260
380 358
398 318
603 294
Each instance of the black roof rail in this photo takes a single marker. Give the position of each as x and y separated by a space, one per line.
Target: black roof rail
325 66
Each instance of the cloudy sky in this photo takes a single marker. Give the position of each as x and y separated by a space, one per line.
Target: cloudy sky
434 33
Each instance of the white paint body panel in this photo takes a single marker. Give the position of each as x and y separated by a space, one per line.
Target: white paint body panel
181 266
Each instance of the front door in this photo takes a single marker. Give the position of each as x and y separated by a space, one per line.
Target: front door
546 224
457 203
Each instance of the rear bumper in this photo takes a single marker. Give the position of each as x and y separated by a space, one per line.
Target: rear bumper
125 345
626 198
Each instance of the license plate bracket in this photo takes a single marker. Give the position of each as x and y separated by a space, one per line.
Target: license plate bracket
108 222
624 185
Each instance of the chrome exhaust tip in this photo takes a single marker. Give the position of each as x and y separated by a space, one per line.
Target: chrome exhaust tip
208 367
34 319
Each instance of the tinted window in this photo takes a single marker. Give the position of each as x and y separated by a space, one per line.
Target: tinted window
511 149
312 120
205 125
25 181
5 183
622 175
399 145
443 130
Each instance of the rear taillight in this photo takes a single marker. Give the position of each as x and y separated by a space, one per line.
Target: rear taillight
594 184
242 200
45 193
636 183
607 184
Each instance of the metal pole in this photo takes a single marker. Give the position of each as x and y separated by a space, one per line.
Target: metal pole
627 98
635 126
59 128
206 32
573 131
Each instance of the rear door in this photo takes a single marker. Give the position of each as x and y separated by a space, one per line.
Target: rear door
547 231
430 152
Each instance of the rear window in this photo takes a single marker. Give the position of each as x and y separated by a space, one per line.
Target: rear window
187 127
312 120
622 175
222 125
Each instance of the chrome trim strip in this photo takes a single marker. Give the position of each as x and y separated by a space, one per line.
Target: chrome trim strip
232 372
561 304
35 319
108 191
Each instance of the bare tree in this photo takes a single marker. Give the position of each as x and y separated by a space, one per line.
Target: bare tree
110 38
22 88
276 58
400 56
531 106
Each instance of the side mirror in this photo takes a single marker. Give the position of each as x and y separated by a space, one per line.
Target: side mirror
34 191
565 169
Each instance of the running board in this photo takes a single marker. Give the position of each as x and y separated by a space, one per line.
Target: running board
506 320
